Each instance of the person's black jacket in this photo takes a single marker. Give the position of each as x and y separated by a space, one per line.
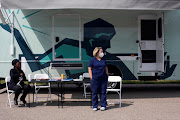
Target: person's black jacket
14 74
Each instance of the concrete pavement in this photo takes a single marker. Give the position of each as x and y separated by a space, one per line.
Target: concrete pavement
139 102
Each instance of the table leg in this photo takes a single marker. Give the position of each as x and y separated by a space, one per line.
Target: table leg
61 95
29 97
33 92
58 94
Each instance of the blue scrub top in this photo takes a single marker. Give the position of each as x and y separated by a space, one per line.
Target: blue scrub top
98 68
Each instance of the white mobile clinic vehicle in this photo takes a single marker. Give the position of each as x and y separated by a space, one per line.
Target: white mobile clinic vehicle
141 38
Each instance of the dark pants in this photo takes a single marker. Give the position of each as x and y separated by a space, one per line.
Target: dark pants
99 86
18 90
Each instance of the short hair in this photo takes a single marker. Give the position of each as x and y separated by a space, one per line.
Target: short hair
14 62
96 50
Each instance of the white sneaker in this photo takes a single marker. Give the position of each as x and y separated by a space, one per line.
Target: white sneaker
94 109
102 108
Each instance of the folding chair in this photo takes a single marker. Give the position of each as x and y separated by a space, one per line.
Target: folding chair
86 83
115 79
38 87
9 92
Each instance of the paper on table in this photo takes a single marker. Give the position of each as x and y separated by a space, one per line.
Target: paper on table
77 80
53 80
57 78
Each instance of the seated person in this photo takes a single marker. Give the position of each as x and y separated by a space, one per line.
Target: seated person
16 82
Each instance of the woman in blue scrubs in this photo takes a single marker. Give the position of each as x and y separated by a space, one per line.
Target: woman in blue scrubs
98 72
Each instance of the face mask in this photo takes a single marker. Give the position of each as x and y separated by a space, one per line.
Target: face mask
101 54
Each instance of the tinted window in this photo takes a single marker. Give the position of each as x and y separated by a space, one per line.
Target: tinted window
160 27
148 56
148 29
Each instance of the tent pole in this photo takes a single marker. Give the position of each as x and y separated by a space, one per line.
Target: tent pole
12 34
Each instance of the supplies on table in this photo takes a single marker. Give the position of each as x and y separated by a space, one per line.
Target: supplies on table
77 80
81 78
63 76
67 79
55 79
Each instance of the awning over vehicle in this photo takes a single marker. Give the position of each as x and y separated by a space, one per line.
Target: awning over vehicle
92 4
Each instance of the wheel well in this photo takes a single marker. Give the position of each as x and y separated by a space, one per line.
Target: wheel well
114 70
